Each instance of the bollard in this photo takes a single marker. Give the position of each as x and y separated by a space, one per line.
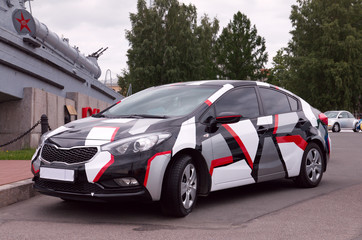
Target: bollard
44 124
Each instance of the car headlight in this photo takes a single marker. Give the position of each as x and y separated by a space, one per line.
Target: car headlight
135 144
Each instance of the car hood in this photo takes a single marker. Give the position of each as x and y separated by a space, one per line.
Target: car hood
98 131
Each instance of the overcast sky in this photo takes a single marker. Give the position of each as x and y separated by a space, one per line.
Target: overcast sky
92 24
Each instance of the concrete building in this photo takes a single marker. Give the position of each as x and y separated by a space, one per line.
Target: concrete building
41 74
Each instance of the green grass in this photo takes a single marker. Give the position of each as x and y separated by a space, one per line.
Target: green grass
24 154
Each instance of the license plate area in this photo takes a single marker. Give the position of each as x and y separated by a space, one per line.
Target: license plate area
66 175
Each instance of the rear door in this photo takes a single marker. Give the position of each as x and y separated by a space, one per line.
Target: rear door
344 120
351 120
284 144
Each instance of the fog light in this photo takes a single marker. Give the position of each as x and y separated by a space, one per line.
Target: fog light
126 182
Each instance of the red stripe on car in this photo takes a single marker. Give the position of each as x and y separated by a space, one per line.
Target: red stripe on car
297 139
219 162
229 116
276 124
35 172
104 168
114 134
149 165
241 145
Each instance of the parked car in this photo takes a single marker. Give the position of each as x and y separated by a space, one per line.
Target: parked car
359 125
175 142
338 120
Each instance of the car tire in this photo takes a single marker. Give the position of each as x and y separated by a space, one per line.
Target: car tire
312 167
179 193
336 128
355 128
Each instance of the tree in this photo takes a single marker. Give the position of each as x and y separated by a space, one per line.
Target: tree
124 82
166 45
240 51
207 37
280 72
325 53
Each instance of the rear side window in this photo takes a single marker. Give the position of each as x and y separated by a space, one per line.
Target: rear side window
242 101
274 102
293 103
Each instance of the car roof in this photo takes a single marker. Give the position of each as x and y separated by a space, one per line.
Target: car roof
220 83
338 111
234 83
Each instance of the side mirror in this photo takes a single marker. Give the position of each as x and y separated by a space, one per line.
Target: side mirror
228 117
222 118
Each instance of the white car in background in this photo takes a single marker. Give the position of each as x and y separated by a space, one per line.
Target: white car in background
338 120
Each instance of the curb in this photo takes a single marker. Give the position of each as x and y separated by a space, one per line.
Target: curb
16 192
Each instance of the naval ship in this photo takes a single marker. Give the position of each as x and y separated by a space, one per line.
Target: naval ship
40 73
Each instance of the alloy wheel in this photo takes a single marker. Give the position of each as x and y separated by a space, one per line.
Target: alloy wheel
314 165
188 186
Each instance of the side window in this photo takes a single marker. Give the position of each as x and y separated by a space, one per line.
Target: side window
343 115
293 103
350 115
274 102
241 100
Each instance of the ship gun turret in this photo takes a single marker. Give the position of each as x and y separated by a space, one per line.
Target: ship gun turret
98 53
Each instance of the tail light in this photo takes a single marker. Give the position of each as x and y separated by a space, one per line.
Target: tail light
323 118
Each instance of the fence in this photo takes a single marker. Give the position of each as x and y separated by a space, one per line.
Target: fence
44 128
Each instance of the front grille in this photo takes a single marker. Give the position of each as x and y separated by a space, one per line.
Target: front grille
50 153
79 187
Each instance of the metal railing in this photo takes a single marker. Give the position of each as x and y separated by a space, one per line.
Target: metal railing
44 128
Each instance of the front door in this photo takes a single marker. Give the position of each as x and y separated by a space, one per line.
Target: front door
231 149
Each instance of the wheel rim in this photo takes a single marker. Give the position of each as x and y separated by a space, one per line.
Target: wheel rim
188 186
314 165
336 127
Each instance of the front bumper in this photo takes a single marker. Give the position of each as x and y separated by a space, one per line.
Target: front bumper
98 178
83 191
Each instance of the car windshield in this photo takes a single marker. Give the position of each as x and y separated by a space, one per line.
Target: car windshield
161 102
331 114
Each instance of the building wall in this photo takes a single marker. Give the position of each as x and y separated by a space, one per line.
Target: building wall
16 117
84 101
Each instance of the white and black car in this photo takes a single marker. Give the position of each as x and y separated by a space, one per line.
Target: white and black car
175 142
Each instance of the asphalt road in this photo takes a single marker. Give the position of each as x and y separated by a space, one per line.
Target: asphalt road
271 210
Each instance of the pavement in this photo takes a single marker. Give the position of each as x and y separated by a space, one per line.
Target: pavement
15 181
